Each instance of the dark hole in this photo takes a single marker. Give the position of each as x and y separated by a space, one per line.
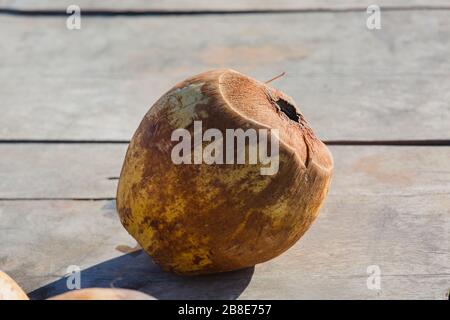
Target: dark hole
288 110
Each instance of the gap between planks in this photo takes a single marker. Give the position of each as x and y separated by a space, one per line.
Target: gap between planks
399 143
59 199
161 12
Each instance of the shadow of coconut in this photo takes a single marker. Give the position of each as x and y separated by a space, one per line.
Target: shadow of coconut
137 271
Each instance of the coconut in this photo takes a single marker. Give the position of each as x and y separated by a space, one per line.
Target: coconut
103 294
9 289
222 173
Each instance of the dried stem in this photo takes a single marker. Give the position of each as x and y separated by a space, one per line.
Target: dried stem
275 78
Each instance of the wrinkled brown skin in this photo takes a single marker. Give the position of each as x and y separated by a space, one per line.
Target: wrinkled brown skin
197 219
103 294
9 289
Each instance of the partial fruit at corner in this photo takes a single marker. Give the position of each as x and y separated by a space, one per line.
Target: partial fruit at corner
9 289
103 294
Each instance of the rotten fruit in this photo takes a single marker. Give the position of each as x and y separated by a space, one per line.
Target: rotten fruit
222 173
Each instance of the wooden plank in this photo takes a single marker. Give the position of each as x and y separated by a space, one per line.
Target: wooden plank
387 206
212 5
406 237
351 83
60 171
41 239
90 171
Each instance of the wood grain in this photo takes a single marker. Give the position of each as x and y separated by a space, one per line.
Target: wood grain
60 171
350 82
212 5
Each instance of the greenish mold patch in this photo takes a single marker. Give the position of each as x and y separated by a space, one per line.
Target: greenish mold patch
182 103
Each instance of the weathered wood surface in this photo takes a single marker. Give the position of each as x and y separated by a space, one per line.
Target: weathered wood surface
405 236
350 82
213 4
387 206
90 171
60 171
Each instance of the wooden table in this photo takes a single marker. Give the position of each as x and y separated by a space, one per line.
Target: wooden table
71 99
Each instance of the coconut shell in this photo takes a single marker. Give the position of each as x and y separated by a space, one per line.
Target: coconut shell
205 218
9 289
102 294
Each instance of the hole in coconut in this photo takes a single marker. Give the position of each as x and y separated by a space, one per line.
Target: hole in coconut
288 110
